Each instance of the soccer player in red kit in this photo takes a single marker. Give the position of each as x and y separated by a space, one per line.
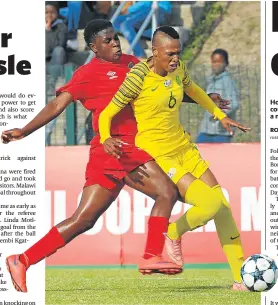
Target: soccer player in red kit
94 85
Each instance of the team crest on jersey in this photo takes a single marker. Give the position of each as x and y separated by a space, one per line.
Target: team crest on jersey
167 83
178 80
130 65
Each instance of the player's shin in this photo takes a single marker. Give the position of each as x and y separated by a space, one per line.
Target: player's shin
229 235
206 204
46 246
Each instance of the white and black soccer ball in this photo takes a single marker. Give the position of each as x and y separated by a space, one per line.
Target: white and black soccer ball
259 272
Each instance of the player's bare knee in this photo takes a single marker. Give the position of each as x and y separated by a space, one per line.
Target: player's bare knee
169 193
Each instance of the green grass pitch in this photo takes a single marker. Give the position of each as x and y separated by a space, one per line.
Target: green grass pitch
200 285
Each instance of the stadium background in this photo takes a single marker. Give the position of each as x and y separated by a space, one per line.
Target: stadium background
120 234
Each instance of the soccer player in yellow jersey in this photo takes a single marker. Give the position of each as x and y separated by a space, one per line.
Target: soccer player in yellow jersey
154 88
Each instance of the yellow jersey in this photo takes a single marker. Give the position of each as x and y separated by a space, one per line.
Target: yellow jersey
156 101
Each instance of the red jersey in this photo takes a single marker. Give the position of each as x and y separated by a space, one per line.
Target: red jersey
95 84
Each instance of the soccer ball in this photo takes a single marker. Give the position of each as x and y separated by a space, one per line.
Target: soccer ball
259 272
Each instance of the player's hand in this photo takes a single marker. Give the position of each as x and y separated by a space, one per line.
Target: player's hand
8 136
227 123
111 146
219 101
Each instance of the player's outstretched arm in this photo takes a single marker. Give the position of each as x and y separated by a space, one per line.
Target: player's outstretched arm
49 112
227 123
195 92
199 95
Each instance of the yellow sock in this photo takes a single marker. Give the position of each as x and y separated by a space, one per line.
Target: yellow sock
206 203
172 231
229 235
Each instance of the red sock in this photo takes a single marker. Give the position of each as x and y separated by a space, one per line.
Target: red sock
46 246
156 239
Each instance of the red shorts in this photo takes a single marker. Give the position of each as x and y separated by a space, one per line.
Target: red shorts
108 171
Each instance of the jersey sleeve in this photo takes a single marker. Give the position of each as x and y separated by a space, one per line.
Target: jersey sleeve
199 95
128 92
77 87
186 80
132 86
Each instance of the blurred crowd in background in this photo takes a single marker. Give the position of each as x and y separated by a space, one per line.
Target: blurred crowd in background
65 51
